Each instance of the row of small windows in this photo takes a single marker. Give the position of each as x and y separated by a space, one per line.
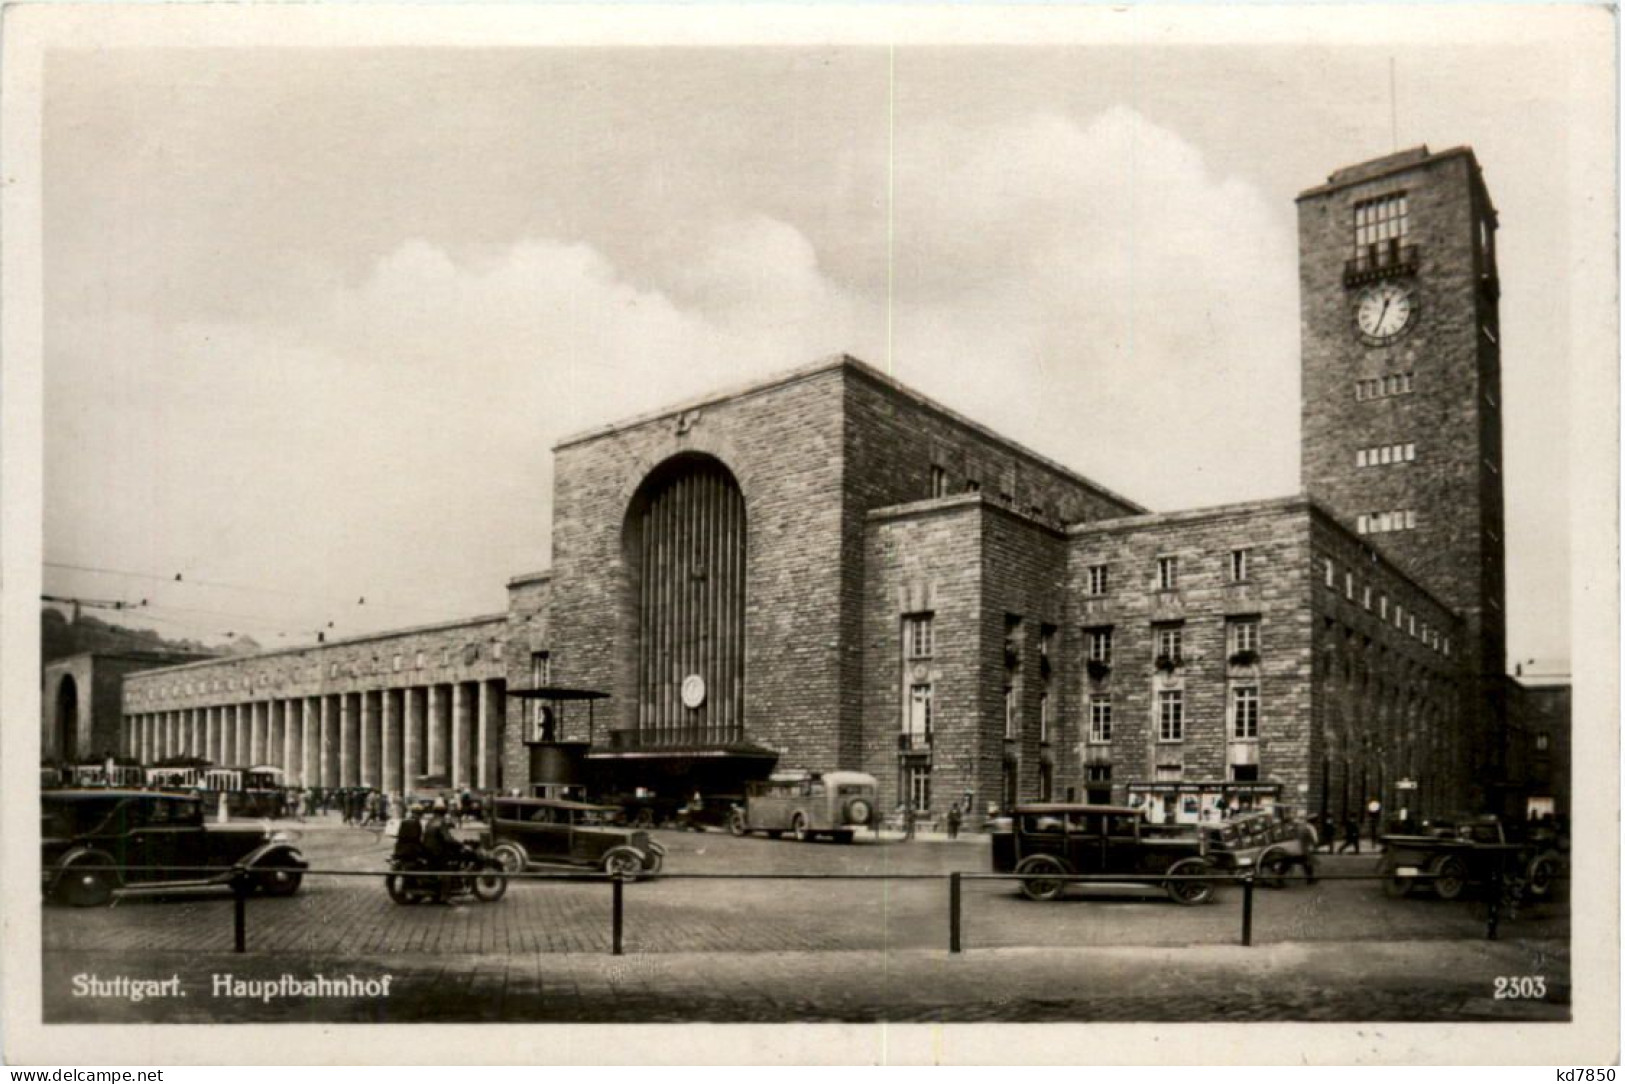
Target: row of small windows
1384 522
1385 454
1383 386
1168 640
397 663
1243 722
1097 578
1376 602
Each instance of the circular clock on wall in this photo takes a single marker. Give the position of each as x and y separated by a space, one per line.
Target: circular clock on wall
693 691
1384 312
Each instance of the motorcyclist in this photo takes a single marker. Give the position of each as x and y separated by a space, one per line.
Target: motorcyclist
443 849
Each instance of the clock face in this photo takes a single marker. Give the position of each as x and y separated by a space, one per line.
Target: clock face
1385 312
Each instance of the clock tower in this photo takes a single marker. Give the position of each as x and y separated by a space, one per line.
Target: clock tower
1402 392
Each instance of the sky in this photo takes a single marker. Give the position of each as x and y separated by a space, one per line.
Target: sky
313 318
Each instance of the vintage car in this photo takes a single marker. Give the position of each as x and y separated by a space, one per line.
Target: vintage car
807 804
548 831
1451 853
709 811
103 842
1262 843
1052 840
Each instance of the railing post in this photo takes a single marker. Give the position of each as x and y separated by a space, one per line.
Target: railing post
1247 909
239 891
953 912
616 915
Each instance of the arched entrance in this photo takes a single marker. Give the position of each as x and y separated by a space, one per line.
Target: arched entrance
685 546
66 726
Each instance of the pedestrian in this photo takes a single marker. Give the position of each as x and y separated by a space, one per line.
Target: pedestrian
908 821
1308 842
1351 835
953 821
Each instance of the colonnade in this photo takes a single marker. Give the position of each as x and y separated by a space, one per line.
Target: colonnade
383 738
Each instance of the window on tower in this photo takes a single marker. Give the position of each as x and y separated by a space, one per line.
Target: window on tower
1380 228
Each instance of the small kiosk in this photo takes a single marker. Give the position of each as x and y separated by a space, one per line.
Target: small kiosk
1197 802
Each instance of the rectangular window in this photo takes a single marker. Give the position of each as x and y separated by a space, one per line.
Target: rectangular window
1410 521
541 676
1238 565
1167 573
1099 773
1098 643
1399 616
1362 526
1043 717
1097 579
1380 223
939 482
1365 593
918 638
1169 640
1412 623
398 662
1410 452
1171 715
1382 607
1405 382
1243 773
1244 712
1100 719
1359 458
1331 573
1348 585
919 713
1009 711
1386 454
1243 635
918 785
1543 741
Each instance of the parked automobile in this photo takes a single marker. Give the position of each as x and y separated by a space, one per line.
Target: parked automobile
1263 843
1048 841
709 811
807 804
102 842
1449 854
527 831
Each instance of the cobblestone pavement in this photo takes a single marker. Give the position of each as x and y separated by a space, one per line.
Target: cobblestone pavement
1415 981
353 917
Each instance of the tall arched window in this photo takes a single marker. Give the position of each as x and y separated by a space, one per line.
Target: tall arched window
685 546
67 720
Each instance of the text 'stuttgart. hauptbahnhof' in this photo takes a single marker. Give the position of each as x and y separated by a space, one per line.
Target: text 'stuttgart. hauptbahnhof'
828 571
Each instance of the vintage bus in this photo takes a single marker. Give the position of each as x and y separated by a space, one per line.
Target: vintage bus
808 804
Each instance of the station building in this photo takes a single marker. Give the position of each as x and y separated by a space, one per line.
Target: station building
827 570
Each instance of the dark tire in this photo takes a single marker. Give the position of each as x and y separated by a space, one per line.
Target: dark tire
843 837
775 833
736 823
489 887
395 885
511 857
1541 876
87 884
622 862
1040 887
1394 886
1274 866
798 828
652 863
278 880
1189 893
1450 878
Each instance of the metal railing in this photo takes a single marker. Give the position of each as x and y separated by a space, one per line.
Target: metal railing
1502 890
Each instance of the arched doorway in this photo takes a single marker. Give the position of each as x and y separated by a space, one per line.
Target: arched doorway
67 720
685 546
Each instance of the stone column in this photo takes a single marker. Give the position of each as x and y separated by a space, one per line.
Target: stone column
241 750
310 743
371 776
462 715
412 720
256 732
293 774
438 706
485 776
198 716
349 723
389 754
329 745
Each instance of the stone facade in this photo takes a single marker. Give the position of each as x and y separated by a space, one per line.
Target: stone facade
922 599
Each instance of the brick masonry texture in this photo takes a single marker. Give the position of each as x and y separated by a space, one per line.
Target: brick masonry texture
866 502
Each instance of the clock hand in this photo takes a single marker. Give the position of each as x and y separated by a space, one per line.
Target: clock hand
1381 315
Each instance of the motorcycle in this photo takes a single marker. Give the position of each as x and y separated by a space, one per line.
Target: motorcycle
480 877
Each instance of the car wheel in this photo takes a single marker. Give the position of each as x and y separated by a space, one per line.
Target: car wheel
1190 893
1273 867
652 863
1450 878
1042 887
1394 886
623 862
511 857
1541 876
88 884
736 823
278 880
798 828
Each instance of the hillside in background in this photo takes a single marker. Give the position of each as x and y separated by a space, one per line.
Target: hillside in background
60 636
